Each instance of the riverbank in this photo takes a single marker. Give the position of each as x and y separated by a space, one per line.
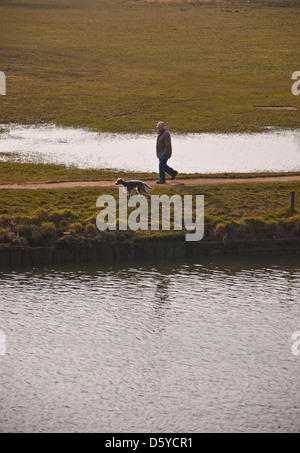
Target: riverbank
141 250
198 66
51 223
17 175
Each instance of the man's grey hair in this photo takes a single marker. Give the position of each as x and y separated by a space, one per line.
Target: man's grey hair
161 124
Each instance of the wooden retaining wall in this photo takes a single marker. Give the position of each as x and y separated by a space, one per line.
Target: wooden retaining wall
140 250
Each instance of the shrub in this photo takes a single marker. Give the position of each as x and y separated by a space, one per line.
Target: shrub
226 231
288 212
27 220
23 241
76 228
91 229
38 234
292 225
42 215
25 230
220 231
62 215
4 236
9 229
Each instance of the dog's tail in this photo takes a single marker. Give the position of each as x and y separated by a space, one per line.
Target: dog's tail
148 187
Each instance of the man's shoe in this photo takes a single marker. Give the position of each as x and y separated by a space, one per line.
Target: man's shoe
160 182
174 176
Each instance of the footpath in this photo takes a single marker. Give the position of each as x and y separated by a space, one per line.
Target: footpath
176 182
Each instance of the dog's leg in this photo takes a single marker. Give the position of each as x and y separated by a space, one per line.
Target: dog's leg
146 192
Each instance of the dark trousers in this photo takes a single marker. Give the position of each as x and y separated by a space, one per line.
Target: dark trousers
164 168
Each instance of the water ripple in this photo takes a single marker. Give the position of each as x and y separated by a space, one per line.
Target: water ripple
183 347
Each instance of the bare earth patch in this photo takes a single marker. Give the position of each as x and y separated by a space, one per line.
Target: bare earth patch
274 108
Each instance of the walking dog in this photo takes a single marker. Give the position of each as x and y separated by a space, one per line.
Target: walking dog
140 186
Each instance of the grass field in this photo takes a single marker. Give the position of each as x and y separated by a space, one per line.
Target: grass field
17 173
122 65
232 211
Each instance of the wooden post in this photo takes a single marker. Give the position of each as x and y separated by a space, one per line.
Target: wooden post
292 201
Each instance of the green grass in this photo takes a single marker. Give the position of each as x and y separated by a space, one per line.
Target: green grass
232 211
122 65
16 173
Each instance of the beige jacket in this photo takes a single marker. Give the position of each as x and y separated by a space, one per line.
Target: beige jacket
163 145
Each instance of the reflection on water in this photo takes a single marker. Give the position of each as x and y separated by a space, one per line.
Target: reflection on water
203 153
154 347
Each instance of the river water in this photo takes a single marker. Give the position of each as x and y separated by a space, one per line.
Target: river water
190 346
270 151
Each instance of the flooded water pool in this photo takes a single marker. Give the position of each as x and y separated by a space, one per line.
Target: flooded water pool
152 347
192 153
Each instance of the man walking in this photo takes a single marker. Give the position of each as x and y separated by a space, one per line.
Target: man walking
164 152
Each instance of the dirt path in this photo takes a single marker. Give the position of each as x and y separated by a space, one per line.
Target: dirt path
177 182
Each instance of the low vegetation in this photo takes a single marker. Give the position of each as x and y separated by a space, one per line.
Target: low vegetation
232 211
12 172
122 65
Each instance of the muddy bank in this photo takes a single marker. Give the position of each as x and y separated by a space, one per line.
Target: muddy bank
141 250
